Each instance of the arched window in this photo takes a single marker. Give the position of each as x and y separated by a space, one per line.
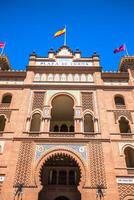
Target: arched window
129 156
71 128
119 101
53 177
72 177
2 122
88 123
62 112
63 128
7 98
62 177
35 122
124 125
56 128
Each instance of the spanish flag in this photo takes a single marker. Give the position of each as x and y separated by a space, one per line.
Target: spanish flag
60 32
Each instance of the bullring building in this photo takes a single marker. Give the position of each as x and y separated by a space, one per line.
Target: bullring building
66 128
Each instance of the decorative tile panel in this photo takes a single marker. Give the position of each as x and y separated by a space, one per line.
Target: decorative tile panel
43 148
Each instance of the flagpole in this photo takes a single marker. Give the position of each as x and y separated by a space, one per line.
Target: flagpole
126 50
65 37
3 49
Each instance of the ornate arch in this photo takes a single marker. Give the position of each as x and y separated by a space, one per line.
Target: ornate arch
37 110
88 112
5 116
119 117
62 151
62 93
125 146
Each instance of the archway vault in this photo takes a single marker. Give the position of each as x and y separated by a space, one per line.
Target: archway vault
64 152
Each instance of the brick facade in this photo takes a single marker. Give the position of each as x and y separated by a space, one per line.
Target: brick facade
59 91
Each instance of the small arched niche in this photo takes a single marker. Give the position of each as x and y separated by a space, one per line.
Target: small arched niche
35 122
62 113
129 157
88 123
124 125
7 98
119 101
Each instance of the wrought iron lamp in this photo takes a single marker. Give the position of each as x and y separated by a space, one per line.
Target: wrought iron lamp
19 191
99 192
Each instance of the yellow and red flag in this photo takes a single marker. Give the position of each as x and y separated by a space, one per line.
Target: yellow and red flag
2 44
60 32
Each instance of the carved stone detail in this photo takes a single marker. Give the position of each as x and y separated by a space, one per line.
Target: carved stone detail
125 190
87 101
46 112
125 113
24 164
97 168
38 100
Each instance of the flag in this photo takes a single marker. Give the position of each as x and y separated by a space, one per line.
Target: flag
60 32
2 44
121 48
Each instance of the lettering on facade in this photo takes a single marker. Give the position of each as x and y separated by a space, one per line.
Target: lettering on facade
125 180
64 62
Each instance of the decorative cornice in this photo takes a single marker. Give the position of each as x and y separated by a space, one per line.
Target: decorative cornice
13 74
117 75
69 87
64 69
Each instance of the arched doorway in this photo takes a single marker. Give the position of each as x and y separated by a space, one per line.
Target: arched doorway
62 114
61 198
60 176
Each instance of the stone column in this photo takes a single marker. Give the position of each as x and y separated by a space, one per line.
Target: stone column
28 124
77 119
46 119
42 124
96 128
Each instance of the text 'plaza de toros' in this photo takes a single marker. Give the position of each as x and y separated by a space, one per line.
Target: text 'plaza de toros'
66 129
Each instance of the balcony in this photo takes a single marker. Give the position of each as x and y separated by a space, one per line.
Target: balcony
75 135
4 105
120 107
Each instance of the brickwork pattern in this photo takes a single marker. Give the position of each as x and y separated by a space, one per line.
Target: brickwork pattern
87 101
126 190
38 100
97 168
24 164
125 113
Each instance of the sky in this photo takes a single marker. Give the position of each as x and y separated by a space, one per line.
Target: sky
92 25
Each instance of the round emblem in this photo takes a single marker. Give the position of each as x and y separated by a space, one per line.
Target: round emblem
40 148
81 149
